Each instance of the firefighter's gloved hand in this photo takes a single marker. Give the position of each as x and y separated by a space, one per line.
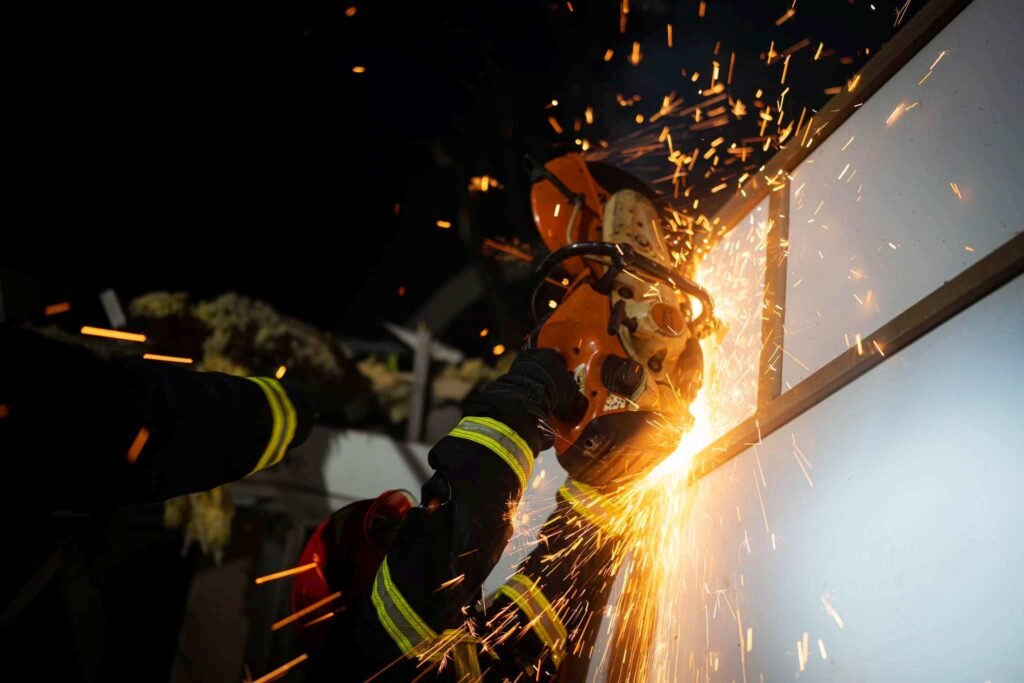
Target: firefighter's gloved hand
538 385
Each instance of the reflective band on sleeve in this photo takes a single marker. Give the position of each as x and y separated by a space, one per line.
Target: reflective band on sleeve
467 666
527 596
501 440
590 505
284 422
410 633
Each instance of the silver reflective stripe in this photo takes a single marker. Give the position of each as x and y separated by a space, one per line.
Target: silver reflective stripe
501 440
410 633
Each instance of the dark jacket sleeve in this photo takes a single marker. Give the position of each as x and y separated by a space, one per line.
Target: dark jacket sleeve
425 591
95 432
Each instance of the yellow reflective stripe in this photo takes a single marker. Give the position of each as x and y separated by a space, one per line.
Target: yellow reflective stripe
277 415
501 440
409 632
467 666
527 596
587 503
290 419
538 595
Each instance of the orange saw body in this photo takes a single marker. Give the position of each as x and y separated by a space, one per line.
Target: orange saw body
628 323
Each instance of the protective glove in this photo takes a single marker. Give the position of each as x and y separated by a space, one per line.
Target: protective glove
537 385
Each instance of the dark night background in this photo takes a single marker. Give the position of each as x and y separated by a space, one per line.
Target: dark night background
214 147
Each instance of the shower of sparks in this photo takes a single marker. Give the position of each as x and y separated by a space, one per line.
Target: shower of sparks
956 190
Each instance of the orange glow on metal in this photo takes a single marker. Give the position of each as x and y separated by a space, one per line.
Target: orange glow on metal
167 359
304 611
287 572
54 309
113 334
137 445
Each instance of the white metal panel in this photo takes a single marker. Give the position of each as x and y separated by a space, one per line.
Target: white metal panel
875 223
910 532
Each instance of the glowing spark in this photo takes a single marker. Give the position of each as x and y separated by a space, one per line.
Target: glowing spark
113 334
555 125
444 224
732 63
938 59
818 53
588 114
350 12
702 9
558 207
608 55
552 303
484 332
137 445
860 346
287 572
280 372
304 611
785 17
785 68
635 56
719 188
668 28
956 190
821 643
54 309
750 638
878 348
498 349
900 108
847 168
281 670
848 143
969 248
359 69
831 611
451 582
167 359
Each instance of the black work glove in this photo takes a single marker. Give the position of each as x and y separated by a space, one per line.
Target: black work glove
538 386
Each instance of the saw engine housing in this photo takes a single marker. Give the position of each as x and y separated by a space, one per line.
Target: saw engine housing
628 324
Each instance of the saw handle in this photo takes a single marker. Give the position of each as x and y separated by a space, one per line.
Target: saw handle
624 258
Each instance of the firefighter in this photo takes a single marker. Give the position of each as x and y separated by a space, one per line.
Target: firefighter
104 432
422 608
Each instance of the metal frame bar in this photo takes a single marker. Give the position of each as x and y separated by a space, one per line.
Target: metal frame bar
773 307
984 277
